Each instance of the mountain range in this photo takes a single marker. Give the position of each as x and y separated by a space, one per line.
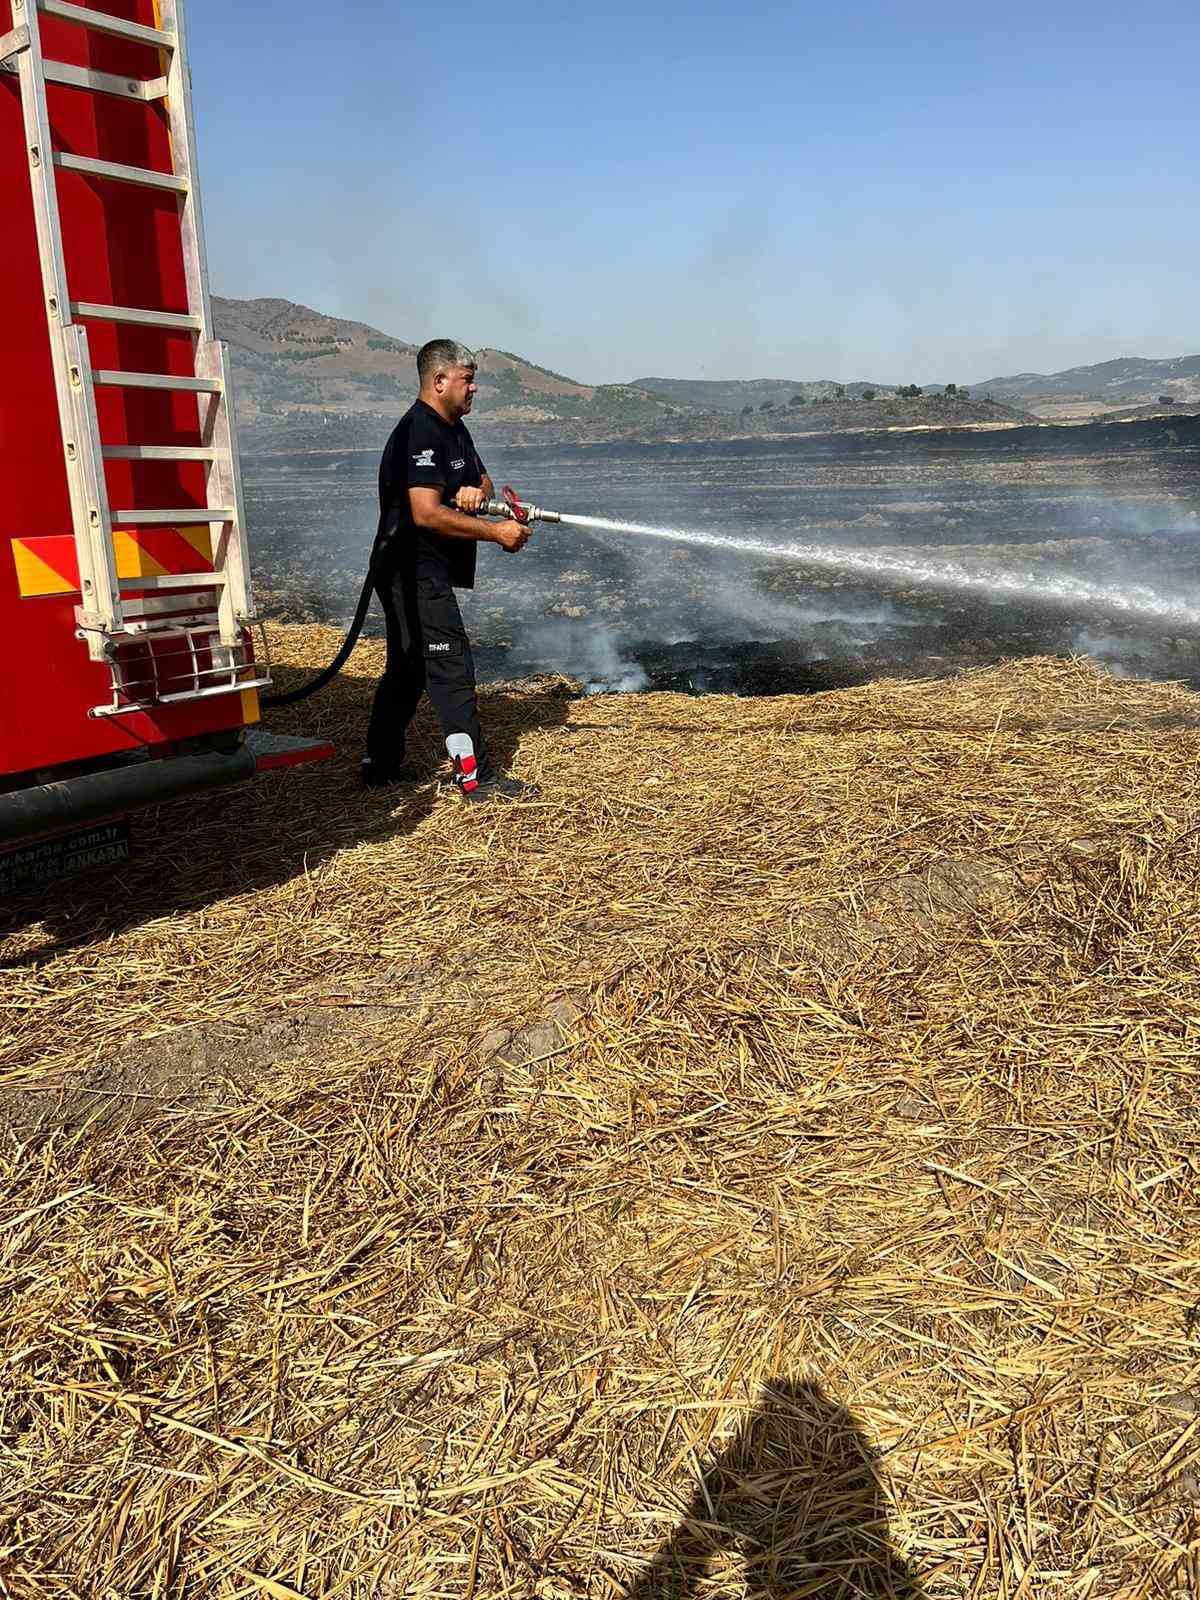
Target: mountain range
300 373
1127 381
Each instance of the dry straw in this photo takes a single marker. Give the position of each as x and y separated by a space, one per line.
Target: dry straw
764 1165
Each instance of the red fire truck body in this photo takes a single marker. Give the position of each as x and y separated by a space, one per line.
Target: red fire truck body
153 670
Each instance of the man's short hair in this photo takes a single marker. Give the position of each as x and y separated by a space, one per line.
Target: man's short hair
439 355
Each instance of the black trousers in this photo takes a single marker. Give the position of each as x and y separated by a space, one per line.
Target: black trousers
427 651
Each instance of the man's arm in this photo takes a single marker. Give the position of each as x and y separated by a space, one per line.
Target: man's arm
429 512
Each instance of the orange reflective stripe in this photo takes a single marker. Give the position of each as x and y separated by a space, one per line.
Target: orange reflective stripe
135 559
47 564
200 539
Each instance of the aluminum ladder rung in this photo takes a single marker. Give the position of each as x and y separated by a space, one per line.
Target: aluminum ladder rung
169 610
111 379
103 82
175 580
12 43
143 177
102 22
154 614
159 452
165 519
183 322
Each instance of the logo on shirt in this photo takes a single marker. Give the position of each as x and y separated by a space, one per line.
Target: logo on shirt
457 466
423 459
440 648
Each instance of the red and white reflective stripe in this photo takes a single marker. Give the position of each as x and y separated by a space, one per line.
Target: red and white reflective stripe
468 778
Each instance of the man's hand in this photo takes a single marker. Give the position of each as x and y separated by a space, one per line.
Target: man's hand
512 536
469 500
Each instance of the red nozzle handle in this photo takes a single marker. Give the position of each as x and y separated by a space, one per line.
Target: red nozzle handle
517 511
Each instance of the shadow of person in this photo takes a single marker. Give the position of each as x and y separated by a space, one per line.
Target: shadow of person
797 1495
192 852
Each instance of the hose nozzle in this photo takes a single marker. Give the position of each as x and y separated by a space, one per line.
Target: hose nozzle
516 510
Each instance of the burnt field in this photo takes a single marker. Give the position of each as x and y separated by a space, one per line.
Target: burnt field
1116 505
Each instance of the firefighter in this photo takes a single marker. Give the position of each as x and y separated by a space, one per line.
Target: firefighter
430 480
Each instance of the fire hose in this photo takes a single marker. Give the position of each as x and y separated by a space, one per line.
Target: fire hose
509 506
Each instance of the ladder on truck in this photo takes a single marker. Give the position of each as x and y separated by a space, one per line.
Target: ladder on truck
213 640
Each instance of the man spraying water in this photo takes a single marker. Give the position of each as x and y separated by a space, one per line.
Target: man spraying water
432 487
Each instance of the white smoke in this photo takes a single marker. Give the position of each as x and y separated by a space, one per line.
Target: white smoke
588 651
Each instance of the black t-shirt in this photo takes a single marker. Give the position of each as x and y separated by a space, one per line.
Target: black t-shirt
425 451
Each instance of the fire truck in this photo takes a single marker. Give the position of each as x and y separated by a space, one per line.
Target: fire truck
128 667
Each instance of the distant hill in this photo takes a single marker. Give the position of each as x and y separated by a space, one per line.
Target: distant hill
734 394
1128 381
309 381
292 362
834 414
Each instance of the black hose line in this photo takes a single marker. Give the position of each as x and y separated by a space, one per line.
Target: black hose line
339 660
382 541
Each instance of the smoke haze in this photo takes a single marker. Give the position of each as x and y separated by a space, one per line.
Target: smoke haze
1094 507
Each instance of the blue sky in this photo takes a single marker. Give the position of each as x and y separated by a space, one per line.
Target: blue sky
921 191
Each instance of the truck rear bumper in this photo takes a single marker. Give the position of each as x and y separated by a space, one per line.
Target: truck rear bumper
50 807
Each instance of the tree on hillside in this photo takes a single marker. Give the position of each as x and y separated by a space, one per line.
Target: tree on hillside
840 391
767 405
909 391
797 400
747 411
951 388
868 394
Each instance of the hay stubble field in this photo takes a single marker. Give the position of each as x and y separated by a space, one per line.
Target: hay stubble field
764 1165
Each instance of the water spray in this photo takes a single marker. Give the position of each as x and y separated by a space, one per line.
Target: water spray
1136 604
